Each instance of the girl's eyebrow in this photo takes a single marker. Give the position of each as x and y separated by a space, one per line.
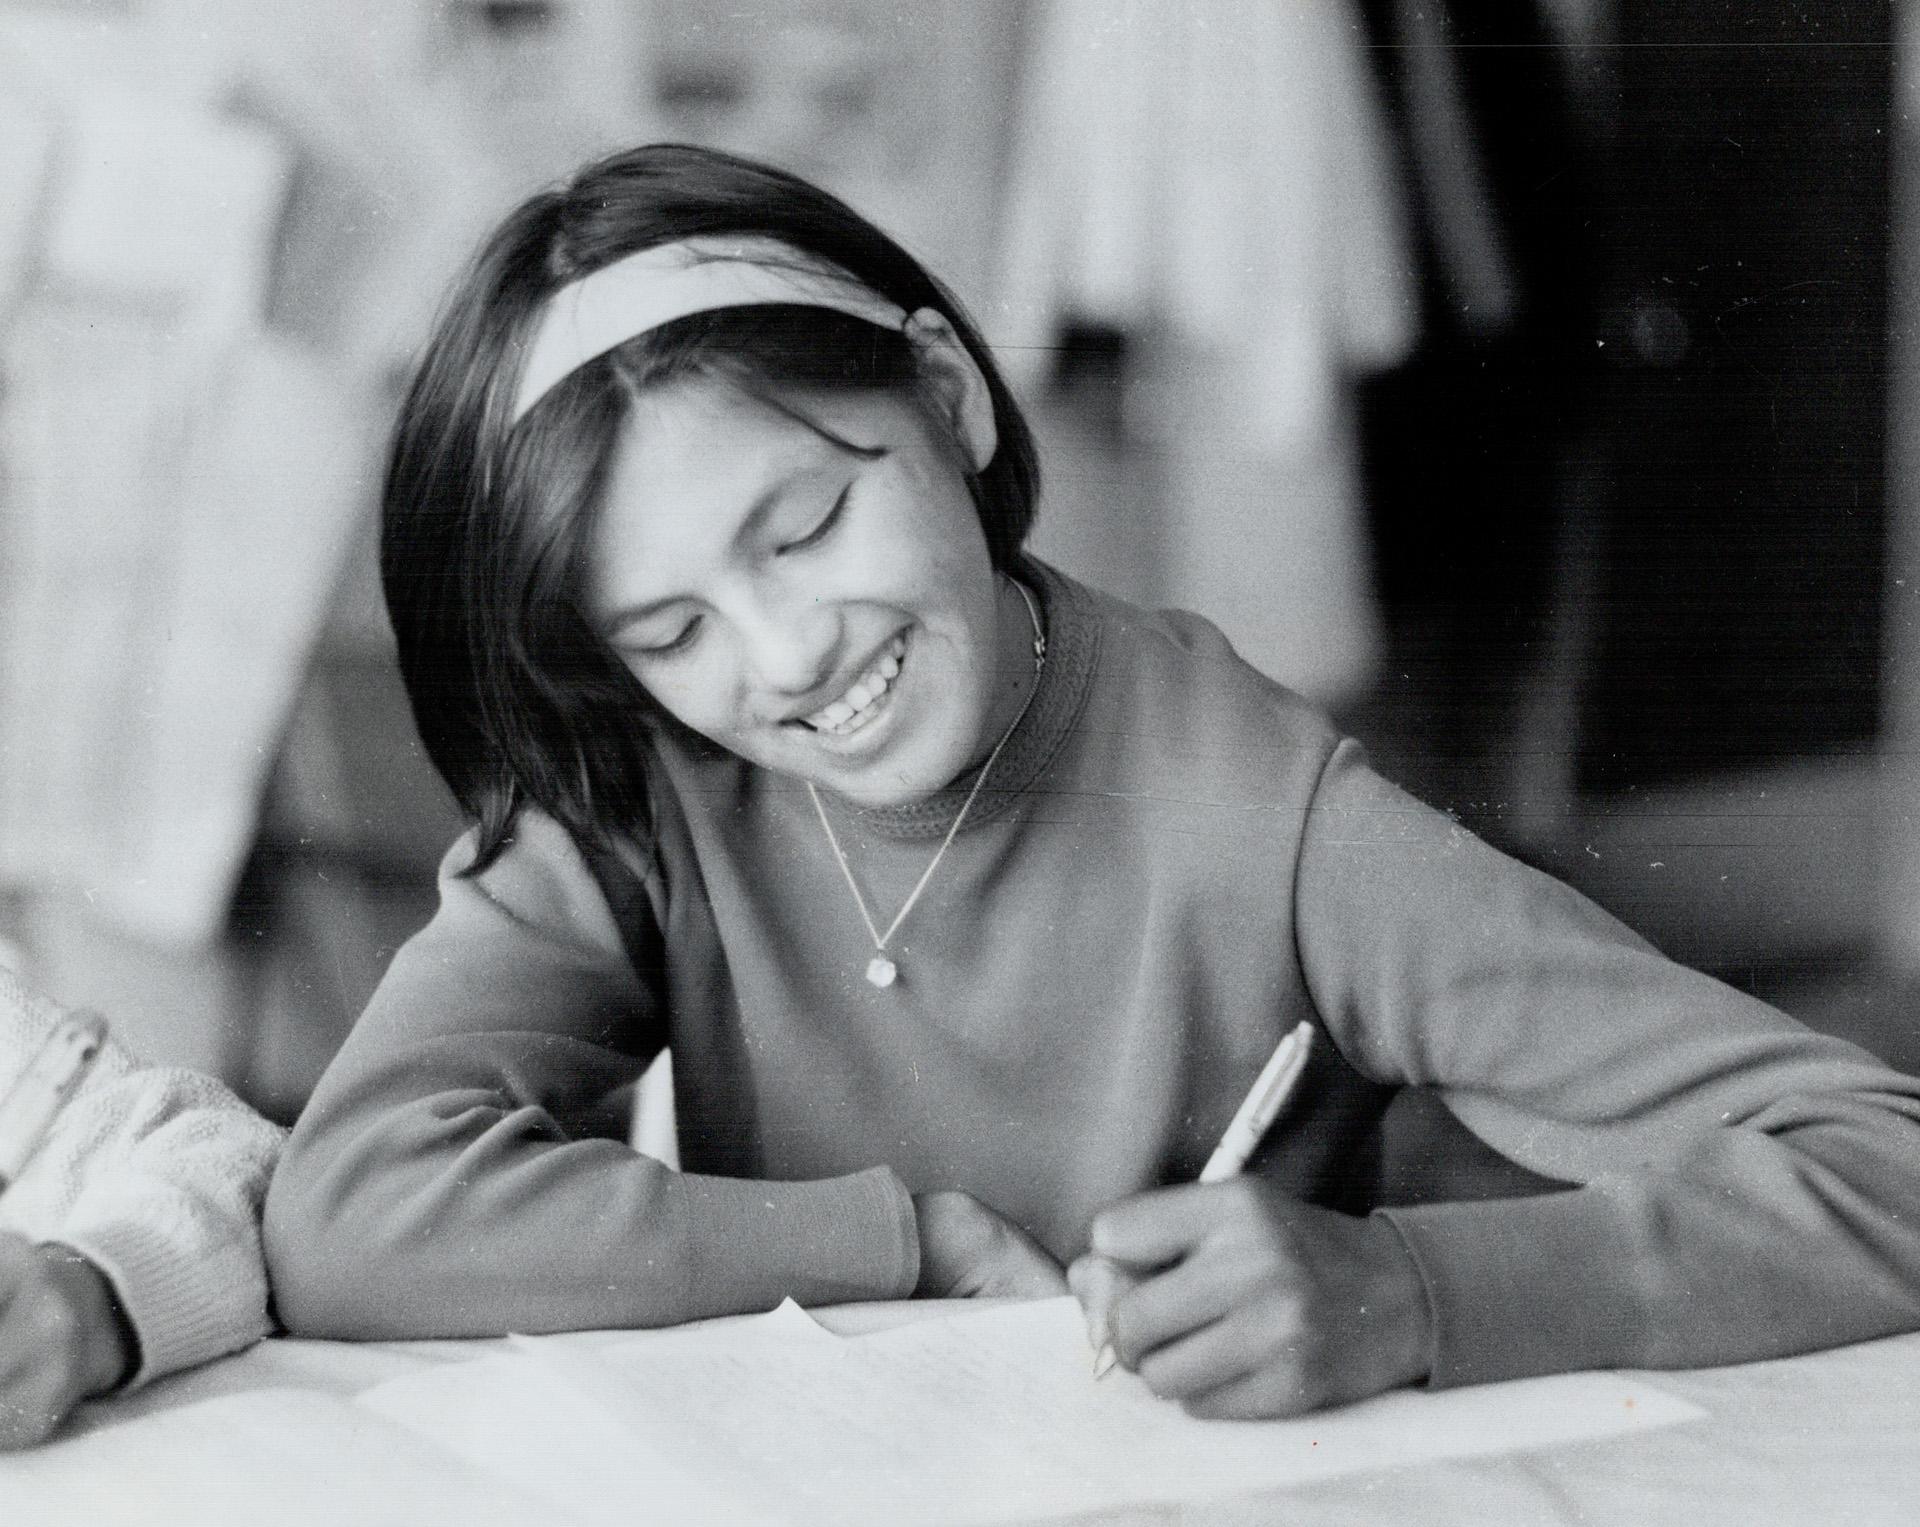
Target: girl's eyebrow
806 421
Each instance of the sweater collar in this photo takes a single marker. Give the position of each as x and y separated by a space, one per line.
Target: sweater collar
1073 641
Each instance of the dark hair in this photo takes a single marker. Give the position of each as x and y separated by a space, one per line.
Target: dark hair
485 522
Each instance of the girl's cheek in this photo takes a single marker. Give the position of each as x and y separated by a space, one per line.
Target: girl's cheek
665 691
699 693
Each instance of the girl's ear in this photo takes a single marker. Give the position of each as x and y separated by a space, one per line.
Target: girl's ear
958 389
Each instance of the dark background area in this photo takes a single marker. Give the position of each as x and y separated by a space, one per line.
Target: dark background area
1676 456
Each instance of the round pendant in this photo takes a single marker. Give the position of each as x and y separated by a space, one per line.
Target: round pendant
881 971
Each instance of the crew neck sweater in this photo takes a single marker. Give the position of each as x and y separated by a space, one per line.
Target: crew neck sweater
1173 862
155 1174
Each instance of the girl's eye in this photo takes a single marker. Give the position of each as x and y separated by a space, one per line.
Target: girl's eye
678 644
820 531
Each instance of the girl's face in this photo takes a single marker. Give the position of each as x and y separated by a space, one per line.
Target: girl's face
807 587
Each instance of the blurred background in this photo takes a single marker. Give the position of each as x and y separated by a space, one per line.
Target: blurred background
1532 382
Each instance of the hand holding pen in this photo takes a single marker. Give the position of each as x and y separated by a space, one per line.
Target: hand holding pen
1240 1301
1100 1280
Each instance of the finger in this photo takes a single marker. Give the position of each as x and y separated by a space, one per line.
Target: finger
1090 1277
1096 1282
39 1372
24 1344
34 1399
40 1340
1201 1362
27 1415
1167 1306
1152 1229
1263 1394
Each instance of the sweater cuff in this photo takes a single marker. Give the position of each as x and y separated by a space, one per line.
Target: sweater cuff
183 1311
1430 1357
1519 1287
834 1241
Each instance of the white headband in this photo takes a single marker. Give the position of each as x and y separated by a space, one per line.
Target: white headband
669 281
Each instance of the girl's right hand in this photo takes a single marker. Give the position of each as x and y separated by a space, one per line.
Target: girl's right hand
970 1251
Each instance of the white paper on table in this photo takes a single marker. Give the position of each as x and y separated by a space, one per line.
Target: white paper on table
785 1322
987 1416
288 1457
554 1422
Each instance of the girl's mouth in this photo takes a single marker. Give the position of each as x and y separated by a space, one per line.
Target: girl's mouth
861 701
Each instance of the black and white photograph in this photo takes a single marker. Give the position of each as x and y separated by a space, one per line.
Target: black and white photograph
849 764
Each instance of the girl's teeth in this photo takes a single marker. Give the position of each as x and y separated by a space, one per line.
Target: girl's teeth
866 689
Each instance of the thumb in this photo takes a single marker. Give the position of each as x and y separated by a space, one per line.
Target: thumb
1153 1229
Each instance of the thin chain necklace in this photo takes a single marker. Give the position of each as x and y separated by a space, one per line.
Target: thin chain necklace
881 970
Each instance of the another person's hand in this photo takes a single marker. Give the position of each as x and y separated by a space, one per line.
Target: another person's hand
1241 1302
969 1250
61 1338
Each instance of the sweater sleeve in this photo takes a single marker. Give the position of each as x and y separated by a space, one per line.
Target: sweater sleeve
156 1175
1744 1188
458 1171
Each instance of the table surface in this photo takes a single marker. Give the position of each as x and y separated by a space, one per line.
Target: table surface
1830 1438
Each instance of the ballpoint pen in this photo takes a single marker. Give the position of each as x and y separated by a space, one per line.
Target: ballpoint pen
1249 1125
51 1077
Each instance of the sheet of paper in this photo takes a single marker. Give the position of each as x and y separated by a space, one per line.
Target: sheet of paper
285 1457
786 1322
984 1417
553 1421
1021 1371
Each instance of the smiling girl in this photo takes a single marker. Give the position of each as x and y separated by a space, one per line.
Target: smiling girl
969 900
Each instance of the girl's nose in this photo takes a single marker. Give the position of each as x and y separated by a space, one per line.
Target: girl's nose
793 647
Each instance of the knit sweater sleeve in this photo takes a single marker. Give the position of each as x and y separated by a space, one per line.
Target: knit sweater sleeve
156 1175
1744 1187
459 1170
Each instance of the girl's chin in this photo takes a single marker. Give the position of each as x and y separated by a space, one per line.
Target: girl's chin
895 776
874 789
